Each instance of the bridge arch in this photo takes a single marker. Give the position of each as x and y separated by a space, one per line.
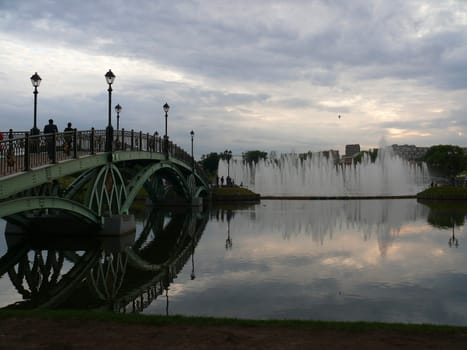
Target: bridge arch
26 204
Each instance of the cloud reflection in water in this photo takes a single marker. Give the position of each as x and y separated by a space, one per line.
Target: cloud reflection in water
333 260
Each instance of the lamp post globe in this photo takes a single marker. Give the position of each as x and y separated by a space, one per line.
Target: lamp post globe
36 81
110 78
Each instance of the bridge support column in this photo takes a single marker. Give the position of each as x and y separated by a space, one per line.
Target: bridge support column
117 225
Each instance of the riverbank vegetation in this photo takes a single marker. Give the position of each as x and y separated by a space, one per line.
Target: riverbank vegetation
444 192
233 193
162 320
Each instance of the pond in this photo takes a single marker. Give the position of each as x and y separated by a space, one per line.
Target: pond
346 260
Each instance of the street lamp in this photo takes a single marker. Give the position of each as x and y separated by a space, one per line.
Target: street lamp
192 133
166 108
36 81
118 109
109 77
228 155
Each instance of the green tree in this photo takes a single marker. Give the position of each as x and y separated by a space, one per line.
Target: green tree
447 160
210 162
372 153
254 156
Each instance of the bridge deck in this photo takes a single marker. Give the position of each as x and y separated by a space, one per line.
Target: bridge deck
21 152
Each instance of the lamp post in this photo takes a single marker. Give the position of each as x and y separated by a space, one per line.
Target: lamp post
36 81
118 109
109 77
192 133
228 155
166 108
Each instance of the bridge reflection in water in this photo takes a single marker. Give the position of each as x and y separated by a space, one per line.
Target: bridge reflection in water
120 273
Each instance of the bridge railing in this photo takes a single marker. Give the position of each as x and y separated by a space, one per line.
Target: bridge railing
23 152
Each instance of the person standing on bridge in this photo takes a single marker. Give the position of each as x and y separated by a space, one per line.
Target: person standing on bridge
50 129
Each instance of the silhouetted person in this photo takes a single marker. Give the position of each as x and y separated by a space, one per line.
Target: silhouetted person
68 139
50 129
222 181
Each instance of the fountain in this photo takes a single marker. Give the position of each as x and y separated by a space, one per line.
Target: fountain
318 175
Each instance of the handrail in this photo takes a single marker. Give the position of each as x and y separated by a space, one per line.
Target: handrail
20 151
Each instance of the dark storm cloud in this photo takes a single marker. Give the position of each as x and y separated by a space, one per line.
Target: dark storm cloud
377 39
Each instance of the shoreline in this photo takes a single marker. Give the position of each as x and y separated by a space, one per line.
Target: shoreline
337 197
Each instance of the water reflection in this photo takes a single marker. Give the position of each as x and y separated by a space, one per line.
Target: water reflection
369 260
124 273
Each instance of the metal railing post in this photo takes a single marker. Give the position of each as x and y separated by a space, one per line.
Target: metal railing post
140 140
75 143
27 165
91 148
132 139
54 144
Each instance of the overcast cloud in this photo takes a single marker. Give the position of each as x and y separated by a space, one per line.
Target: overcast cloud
269 75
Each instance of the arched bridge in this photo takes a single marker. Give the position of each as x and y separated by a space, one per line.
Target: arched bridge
74 178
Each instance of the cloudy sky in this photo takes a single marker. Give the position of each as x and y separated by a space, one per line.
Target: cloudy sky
268 75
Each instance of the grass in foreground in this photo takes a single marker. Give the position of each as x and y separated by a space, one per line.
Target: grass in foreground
157 320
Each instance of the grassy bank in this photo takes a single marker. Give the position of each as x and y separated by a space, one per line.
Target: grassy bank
157 320
444 192
234 193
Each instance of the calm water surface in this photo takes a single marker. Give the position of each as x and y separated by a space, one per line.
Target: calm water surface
370 260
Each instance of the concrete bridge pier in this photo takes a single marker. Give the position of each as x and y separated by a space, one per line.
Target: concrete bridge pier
117 225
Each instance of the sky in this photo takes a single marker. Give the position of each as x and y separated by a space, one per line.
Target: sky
243 75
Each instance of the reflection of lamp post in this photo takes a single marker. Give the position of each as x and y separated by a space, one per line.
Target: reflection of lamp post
36 81
109 77
228 241
228 155
167 301
192 133
453 241
192 275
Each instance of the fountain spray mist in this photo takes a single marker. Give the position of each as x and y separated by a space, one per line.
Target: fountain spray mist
321 175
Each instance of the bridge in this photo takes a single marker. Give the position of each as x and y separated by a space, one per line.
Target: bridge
75 181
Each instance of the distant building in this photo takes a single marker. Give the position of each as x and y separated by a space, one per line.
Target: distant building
351 150
409 152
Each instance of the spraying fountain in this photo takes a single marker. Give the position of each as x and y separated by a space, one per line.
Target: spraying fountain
320 175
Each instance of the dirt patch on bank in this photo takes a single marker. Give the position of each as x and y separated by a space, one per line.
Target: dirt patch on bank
39 333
